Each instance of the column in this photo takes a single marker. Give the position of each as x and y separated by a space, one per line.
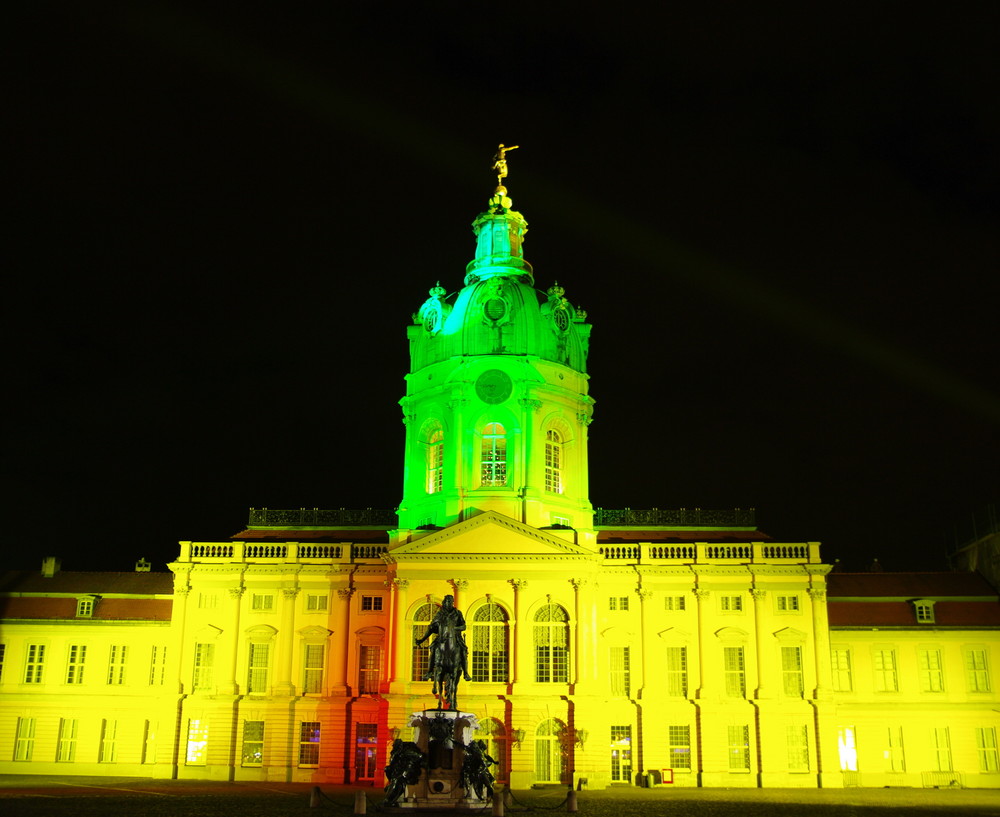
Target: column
285 646
759 597
708 685
230 686
402 637
344 594
646 662
516 627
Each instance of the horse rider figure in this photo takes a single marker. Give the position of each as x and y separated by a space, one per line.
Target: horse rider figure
448 625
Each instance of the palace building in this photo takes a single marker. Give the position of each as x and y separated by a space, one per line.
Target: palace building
606 647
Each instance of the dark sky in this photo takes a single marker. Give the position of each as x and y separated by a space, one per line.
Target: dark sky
782 220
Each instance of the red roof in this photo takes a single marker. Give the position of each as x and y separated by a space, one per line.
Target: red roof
908 585
137 584
46 607
661 536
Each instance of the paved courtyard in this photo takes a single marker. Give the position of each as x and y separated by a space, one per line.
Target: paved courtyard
51 796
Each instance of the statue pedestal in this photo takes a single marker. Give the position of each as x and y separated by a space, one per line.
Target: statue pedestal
442 736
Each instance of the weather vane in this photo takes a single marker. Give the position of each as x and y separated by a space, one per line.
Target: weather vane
500 162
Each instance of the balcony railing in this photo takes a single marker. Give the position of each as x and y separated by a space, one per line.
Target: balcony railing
279 552
318 517
676 517
711 552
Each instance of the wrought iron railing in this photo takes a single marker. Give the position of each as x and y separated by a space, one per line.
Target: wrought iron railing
682 517
317 517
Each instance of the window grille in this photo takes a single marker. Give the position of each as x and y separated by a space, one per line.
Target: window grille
976 671
739 748
735 672
930 670
490 649
840 665
797 742
679 747
676 672
553 462
551 635
258 665
34 664
371 661
621 676
494 456
435 462
116 664
253 743
885 671
309 732
75 663
791 671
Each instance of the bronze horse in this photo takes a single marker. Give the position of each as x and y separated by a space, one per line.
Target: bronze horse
449 653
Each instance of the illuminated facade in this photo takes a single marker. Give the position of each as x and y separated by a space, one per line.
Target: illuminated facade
682 647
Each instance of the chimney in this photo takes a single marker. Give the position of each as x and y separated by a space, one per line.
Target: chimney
142 566
50 566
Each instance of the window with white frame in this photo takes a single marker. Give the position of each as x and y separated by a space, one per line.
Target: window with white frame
894 754
738 738
208 601
679 747
734 672
85 606
316 602
435 462
66 747
840 666
930 670
884 662
791 671
109 742
620 672
551 641
204 667
986 748
674 604
490 649
923 609
117 658
157 665
370 669
797 745
371 604
24 742
262 602
731 604
787 603
675 669
976 671
553 462
493 459
313 661
253 743
34 664
618 603
309 732
942 749
75 662
258 668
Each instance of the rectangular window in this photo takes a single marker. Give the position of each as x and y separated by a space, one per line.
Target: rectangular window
679 747
371 604
312 681
315 603
208 601
986 745
930 670
674 604
365 751
621 676
150 730
34 664
735 672
791 671
739 748
847 747
840 665
553 463
897 762
797 742
942 749
309 743
925 613
197 742
74 663
260 658
85 607
109 742
116 664
24 743
976 672
262 602
157 665
253 743
676 670
435 463
66 748
885 671
493 465
788 604
618 603
621 754
204 662
371 664
731 604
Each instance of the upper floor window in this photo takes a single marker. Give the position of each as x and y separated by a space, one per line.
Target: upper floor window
787 604
34 664
734 672
435 462
490 650
618 602
204 663
116 664
75 663
621 675
885 671
976 671
731 604
370 668
85 607
262 602
674 603
421 655
553 462
924 611
316 603
840 666
551 639
493 470
931 671
791 671
371 604
259 664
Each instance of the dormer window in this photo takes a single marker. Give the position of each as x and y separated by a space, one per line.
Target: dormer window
85 606
924 611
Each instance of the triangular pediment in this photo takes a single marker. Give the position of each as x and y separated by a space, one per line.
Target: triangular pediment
489 534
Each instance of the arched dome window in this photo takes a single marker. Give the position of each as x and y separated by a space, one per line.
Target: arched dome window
493 462
553 462
435 461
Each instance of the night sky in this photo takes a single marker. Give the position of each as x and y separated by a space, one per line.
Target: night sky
782 220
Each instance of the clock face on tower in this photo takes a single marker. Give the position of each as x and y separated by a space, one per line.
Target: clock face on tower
494 386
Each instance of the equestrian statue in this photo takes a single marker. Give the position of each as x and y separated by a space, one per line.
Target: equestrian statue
449 653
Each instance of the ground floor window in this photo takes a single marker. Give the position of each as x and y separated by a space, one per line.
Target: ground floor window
365 750
848 749
621 754
739 748
986 744
66 751
24 746
197 741
894 754
679 747
797 743
109 742
253 743
550 761
309 743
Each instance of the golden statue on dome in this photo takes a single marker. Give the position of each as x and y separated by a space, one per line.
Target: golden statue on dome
500 162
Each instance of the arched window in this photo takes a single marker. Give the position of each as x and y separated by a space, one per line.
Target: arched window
421 655
435 461
495 735
552 645
490 653
550 760
553 462
494 455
